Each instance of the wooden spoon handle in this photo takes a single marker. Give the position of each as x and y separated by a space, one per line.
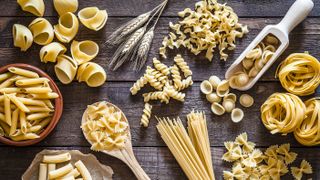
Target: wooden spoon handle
134 166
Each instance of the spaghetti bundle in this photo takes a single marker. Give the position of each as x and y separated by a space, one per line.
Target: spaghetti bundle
299 74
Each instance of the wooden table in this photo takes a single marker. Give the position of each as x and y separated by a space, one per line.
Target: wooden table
150 150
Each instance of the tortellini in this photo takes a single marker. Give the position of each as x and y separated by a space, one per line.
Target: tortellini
50 52
67 27
42 31
93 18
91 73
35 7
65 69
22 37
84 51
64 6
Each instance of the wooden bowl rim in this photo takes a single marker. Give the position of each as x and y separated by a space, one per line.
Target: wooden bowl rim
57 113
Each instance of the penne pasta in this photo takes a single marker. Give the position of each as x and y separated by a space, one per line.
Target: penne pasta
51 167
32 102
36 7
50 52
18 103
23 72
2 133
48 103
10 90
38 116
36 90
43 169
5 76
42 31
8 82
83 170
33 81
59 158
22 37
5 127
34 109
2 118
23 124
60 172
1 98
24 137
51 95
14 122
7 110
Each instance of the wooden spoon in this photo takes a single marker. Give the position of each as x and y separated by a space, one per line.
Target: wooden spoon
125 154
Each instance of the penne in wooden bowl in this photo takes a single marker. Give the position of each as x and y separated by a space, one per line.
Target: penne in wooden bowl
55 114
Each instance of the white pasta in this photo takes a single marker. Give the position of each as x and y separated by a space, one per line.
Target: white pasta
42 31
146 115
65 69
43 169
64 6
22 37
35 7
93 18
84 51
83 170
59 158
67 27
91 73
50 52
182 65
138 85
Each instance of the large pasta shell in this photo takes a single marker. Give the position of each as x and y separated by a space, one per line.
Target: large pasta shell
217 109
67 27
36 7
92 73
65 69
22 37
237 115
93 18
50 52
84 51
42 31
64 6
206 87
223 88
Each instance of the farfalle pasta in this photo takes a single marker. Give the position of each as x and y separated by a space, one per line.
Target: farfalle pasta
22 37
67 27
50 52
42 31
305 168
65 69
84 51
64 6
93 18
284 150
36 7
91 73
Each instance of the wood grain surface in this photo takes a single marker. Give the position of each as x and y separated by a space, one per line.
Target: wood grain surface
150 150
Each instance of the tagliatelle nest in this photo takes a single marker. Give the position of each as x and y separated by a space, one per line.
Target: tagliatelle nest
209 26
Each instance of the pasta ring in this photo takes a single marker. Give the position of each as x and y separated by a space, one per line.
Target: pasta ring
22 37
67 27
299 74
84 51
42 31
65 69
64 6
50 52
91 73
36 7
93 18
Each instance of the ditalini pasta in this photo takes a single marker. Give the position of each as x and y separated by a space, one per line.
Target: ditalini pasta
91 73
50 52
84 51
63 6
67 27
36 7
93 18
22 37
65 69
42 31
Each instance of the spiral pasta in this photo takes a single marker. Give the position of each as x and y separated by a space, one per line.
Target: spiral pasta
299 74
184 84
65 69
308 132
164 69
176 77
84 51
282 113
93 18
141 82
171 92
146 115
22 37
50 52
63 6
91 73
35 7
157 95
155 78
182 65
42 31
67 27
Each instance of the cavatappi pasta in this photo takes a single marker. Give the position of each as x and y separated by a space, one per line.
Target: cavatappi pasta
22 37
84 51
65 69
63 6
50 52
22 115
299 74
91 73
93 18
36 7
67 27
42 31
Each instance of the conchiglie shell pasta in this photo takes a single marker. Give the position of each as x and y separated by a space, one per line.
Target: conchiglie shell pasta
67 27
64 6
223 88
42 31
206 87
50 52
22 37
91 73
84 51
65 69
36 7
93 18
217 109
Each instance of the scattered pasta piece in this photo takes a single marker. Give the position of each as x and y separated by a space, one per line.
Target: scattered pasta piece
22 37
42 31
289 157
206 87
246 100
91 73
146 115
50 52
65 69
182 65
93 18
84 51
305 168
237 115
217 109
35 7
63 6
140 83
67 27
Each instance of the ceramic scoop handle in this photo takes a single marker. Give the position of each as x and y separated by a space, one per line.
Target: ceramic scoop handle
297 13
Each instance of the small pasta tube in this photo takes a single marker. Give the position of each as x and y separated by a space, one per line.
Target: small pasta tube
74 173
36 90
67 27
23 72
31 81
50 52
92 73
42 31
60 172
14 122
32 102
83 170
34 109
2 118
43 169
10 90
65 69
84 51
35 7
63 6
18 103
51 167
6 75
8 82
22 37
24 137
51 95
7 109
93 18
5 127
38 116
59 158
23 123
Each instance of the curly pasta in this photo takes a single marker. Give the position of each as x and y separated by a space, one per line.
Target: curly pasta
153 78
164 69
176 77
146 115
182 65
185 84
157 95
171 92
140 83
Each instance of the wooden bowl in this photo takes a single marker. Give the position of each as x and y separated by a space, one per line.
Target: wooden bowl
57 113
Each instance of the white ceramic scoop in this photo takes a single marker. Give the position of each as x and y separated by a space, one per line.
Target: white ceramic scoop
297 13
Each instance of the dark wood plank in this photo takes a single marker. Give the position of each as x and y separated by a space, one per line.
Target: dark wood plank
253 8
157 162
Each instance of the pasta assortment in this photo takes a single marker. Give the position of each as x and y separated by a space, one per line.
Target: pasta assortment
22 115
50 52
91 73
35 7
84 51
42 31
63 6
93 18
67 27
22 37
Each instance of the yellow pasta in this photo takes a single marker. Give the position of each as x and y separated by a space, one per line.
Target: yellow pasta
305 168
42 31
65 69
51 95
84 51
36 90
14 122
23 72
36 7
91 73
7 109
43 170
18 103
59 158
24 137
67 27
83 170
60 172
31 81
146 115
22 37
38 116
50 52
93 18
63 6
